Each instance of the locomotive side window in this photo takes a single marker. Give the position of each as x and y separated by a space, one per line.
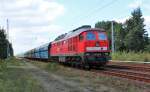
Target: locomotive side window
81 37
102 36
90 36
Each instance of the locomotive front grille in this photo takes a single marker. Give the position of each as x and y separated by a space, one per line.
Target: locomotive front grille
96 57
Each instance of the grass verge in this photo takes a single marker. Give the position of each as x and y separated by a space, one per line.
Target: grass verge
16 79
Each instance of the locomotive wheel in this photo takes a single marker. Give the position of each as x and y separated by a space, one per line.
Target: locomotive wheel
77 65
73 64
87 67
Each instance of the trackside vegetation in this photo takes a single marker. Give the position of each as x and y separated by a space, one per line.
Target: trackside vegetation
131 56
14 79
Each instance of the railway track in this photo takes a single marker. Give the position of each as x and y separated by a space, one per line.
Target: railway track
132 66
134 75
138 72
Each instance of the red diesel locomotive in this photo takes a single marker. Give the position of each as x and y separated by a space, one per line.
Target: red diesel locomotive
83 46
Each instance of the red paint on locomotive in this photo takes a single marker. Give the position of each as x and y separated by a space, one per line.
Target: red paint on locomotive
79 43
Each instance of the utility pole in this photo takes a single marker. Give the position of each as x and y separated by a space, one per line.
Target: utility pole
112 37
7 38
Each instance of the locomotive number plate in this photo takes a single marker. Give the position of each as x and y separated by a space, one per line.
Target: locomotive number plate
95 48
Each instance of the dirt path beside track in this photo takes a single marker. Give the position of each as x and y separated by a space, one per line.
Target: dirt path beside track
55 83
52 83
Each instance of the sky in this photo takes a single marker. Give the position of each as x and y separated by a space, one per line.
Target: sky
36 22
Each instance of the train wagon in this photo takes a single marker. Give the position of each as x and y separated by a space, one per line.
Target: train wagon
40 53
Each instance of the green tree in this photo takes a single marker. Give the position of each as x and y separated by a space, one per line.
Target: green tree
136 38
119 33
4 45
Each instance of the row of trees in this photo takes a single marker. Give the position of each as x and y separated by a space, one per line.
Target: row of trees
129 36
5 46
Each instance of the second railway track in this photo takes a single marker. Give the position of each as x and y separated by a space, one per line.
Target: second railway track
138 72
129 66
139 76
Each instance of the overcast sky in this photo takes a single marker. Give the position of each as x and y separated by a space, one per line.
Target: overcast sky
35 22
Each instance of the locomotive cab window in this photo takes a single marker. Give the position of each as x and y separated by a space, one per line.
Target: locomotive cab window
102 36
90 36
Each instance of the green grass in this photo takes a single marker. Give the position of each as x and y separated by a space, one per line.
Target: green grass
49 66
13 61
16 79
52 66
131 56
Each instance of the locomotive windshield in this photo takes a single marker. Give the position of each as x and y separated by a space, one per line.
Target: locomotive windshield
90 36
102 36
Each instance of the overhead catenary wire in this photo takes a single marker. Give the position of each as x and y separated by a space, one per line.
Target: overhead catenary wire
79 15
97 9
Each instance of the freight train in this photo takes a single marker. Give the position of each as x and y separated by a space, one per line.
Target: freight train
84 46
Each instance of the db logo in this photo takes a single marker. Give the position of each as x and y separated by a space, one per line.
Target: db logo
97 44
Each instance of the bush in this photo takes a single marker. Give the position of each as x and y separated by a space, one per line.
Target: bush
147 48
52 66
3 66
131 56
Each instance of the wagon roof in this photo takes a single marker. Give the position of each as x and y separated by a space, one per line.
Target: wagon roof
42 46
76 33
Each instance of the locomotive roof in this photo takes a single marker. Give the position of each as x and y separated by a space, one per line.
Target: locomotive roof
77 32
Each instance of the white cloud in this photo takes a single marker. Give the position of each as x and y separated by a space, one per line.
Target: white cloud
122 20
147 19
147 23
28 38
31 22
140 3
135 4
32 10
